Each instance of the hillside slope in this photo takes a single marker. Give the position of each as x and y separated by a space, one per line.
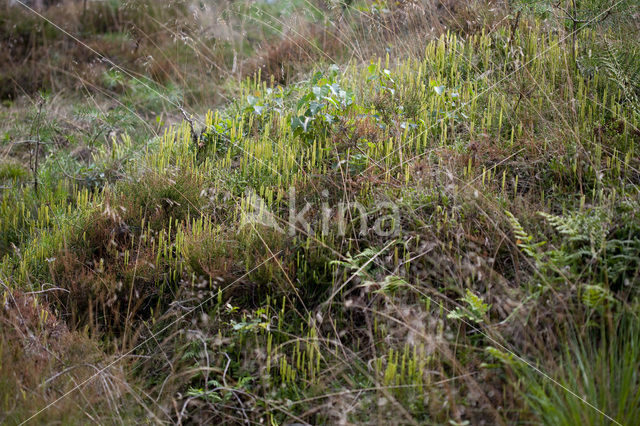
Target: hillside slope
450 233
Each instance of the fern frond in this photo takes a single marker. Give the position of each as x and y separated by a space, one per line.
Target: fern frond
523 240
623 68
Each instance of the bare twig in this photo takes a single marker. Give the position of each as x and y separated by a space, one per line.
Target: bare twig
189 120
514 26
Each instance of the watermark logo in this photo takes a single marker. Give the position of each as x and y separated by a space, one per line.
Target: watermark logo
383 219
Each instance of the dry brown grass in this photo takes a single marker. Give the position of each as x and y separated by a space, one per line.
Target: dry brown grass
38 55
296 52
40 360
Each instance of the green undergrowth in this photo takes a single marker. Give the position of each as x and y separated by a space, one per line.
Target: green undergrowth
470 253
